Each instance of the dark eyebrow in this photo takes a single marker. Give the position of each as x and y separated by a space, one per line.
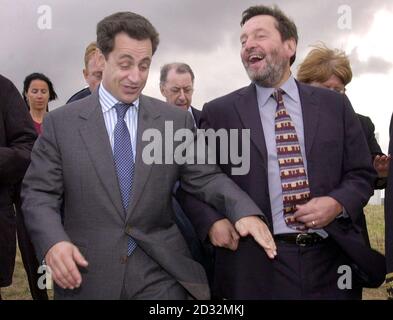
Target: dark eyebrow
147 59
260 29
255 31
126 56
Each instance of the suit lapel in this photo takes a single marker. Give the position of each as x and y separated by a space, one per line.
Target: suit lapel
95 137
310 110
147 116
248 111
197 116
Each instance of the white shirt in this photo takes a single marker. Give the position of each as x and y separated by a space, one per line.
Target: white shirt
108 102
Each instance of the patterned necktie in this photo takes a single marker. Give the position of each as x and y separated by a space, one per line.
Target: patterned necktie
294 182
124 162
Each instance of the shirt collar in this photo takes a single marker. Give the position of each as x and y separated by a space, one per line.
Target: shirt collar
290 88
108 101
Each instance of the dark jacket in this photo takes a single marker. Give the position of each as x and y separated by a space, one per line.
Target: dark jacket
338 166
375 150
79 95
17 136
389 209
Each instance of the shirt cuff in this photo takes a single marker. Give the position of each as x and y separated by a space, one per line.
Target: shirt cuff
343 214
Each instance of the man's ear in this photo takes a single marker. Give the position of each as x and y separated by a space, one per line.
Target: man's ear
100 58
290 46
162 90
85 73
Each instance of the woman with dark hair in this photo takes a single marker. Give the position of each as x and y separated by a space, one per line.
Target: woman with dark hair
37 92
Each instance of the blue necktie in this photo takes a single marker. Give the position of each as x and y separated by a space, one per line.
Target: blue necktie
124 162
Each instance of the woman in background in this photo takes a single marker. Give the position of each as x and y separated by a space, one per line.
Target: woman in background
331 69
38 91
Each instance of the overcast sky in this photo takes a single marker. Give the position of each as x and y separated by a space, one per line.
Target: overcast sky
204 34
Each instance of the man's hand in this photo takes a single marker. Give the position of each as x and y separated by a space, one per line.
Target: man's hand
318 212
223 234
254 226
62 259
381 165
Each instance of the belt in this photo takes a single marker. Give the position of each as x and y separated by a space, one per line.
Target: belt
300 239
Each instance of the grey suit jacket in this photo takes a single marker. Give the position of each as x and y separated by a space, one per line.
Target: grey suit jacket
72 171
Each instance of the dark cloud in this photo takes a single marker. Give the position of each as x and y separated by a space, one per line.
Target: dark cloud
373 65
188 28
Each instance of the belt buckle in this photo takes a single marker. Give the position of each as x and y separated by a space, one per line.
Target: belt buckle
302 239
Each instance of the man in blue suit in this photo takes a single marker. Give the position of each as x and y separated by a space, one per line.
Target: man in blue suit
309 174
92 72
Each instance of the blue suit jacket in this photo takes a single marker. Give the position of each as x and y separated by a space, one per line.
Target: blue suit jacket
338 166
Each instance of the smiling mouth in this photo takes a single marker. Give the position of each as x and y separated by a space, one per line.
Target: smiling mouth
255 58
131 88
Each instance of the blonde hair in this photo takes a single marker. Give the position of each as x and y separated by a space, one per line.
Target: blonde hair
321 63
90 51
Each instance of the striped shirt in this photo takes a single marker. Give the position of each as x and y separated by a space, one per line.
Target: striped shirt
108 102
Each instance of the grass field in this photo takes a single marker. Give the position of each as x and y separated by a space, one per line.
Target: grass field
376 229
375 223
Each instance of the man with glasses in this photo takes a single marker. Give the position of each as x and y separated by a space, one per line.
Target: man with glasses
177 86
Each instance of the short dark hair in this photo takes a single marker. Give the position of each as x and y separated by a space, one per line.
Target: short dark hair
285 26
42 77
179 67
134 25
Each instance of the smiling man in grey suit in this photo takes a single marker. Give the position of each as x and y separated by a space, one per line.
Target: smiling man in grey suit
118 239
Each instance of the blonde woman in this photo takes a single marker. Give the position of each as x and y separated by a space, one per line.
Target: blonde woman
331 69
